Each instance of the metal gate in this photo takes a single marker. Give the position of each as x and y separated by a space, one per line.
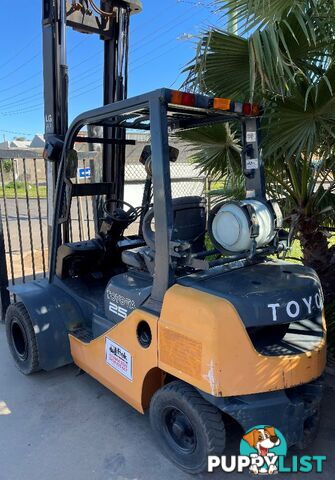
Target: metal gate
23 226
24 211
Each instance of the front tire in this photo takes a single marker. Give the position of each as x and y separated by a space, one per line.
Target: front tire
186 427
21 339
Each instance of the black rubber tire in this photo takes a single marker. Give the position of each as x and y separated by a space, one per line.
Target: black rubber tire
21 339
311 430
205 419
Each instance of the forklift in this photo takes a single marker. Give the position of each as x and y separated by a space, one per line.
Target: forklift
196 336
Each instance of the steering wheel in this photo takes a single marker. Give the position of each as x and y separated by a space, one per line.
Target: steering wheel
147 231
120 214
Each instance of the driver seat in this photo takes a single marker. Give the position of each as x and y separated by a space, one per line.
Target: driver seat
189 215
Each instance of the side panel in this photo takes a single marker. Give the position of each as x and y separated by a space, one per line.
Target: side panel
203 341
53 314
141 376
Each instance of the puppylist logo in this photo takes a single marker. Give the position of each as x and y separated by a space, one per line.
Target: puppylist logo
263 451
263 445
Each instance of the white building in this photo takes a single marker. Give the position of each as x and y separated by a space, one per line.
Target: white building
38 141
20 144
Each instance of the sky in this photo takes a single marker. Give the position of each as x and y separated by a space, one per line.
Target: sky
162 42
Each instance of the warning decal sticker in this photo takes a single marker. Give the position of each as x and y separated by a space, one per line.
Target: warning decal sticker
251 137
252 163
119 359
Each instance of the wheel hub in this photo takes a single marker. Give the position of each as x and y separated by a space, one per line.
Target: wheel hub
179 430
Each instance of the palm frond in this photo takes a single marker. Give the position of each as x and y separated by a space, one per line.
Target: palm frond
221 65
295 126
260 13
228 190
214 149
294 40
286 59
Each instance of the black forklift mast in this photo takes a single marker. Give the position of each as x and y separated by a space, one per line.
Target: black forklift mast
112 25
115 89
55 91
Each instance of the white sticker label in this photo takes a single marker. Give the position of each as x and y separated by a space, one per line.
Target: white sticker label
252 164
251 194
251 137
119 359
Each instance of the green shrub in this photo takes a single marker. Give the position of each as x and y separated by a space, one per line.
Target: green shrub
7 166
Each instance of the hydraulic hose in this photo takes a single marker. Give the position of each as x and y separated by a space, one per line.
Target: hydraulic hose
99 11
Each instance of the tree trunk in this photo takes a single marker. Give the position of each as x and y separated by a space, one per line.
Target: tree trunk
318 255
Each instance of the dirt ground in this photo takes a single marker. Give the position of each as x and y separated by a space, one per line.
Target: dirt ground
27 260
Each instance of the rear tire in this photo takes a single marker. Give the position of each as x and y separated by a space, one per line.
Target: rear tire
186 427
311 430
21 339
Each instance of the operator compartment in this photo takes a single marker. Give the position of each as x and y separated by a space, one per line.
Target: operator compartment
280 304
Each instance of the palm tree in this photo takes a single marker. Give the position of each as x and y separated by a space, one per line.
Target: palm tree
284 57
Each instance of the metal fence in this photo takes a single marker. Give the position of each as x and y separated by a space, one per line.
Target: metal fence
24 211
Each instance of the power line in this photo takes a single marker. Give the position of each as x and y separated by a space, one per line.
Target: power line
17 133
76 45
99 85
32 108
20 94
195 4
135 64
20 66
151 19
96 86
14 56
152 59
157 32
79 79
20 112
29 78
148 39
20 102
20 83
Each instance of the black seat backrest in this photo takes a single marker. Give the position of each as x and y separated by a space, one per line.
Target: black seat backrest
190 221
189 217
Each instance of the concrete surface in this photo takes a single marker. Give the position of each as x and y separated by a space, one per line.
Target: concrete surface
61 426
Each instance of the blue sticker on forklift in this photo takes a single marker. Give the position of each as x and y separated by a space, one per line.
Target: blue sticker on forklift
84 173
263 451
119 359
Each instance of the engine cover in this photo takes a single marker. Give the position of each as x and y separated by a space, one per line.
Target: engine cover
267 293
126 292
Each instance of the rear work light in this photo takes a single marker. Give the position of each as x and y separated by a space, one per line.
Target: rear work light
222 104
189 99
256 110
247 109
225 104
183 98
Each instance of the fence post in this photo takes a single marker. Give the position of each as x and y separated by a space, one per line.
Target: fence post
4 293
208 185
